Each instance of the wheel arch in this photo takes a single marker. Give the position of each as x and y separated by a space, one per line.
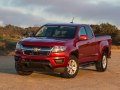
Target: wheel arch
75 53
104 47
105 50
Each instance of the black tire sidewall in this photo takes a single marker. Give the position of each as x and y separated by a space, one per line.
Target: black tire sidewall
104 54
20 69
66 74
99 64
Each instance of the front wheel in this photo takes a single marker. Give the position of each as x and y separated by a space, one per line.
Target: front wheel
101 65
72 68
20 69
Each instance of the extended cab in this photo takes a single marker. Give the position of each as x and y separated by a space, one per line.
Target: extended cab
62 48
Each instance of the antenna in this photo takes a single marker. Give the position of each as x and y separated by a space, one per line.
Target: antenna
72 20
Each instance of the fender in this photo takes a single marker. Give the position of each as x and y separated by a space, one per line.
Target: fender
104 45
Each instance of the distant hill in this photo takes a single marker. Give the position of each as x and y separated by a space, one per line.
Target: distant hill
15 32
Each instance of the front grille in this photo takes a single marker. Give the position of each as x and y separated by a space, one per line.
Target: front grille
37 51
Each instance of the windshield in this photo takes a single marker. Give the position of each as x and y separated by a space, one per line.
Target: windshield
66 32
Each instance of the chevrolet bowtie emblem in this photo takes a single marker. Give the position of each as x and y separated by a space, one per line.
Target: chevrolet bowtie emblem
36 49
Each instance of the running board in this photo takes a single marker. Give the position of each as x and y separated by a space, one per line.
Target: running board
86 64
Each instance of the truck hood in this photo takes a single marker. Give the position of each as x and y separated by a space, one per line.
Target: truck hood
37 41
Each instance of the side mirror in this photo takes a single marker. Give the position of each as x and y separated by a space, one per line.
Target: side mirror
83 37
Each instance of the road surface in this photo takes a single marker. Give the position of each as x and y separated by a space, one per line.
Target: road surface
87 78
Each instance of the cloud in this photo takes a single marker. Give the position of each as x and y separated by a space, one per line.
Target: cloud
97 10
1 23
17 18
86 10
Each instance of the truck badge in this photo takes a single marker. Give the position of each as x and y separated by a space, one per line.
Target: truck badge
36 49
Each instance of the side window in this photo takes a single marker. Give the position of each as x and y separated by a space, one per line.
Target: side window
82 31
89 32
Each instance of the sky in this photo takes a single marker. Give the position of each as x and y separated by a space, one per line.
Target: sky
37 12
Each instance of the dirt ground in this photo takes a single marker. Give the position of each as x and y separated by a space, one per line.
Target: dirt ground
87 78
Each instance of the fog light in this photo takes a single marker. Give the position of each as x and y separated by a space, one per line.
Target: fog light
59 61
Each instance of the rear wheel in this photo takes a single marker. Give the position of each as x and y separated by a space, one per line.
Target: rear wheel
72 68
20 69
101 65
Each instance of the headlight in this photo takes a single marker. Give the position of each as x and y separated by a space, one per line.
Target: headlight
18 46
58 49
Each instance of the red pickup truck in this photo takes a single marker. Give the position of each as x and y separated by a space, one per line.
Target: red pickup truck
62 48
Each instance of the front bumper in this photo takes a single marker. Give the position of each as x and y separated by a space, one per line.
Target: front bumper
53 62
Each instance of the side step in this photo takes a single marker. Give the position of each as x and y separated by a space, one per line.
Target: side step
87 64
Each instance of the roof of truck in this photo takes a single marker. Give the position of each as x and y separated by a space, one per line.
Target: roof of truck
66 24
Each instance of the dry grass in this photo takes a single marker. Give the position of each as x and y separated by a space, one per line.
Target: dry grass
2 44
115 47
7 47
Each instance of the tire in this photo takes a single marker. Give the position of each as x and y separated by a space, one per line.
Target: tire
20 69
101 65
72 68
